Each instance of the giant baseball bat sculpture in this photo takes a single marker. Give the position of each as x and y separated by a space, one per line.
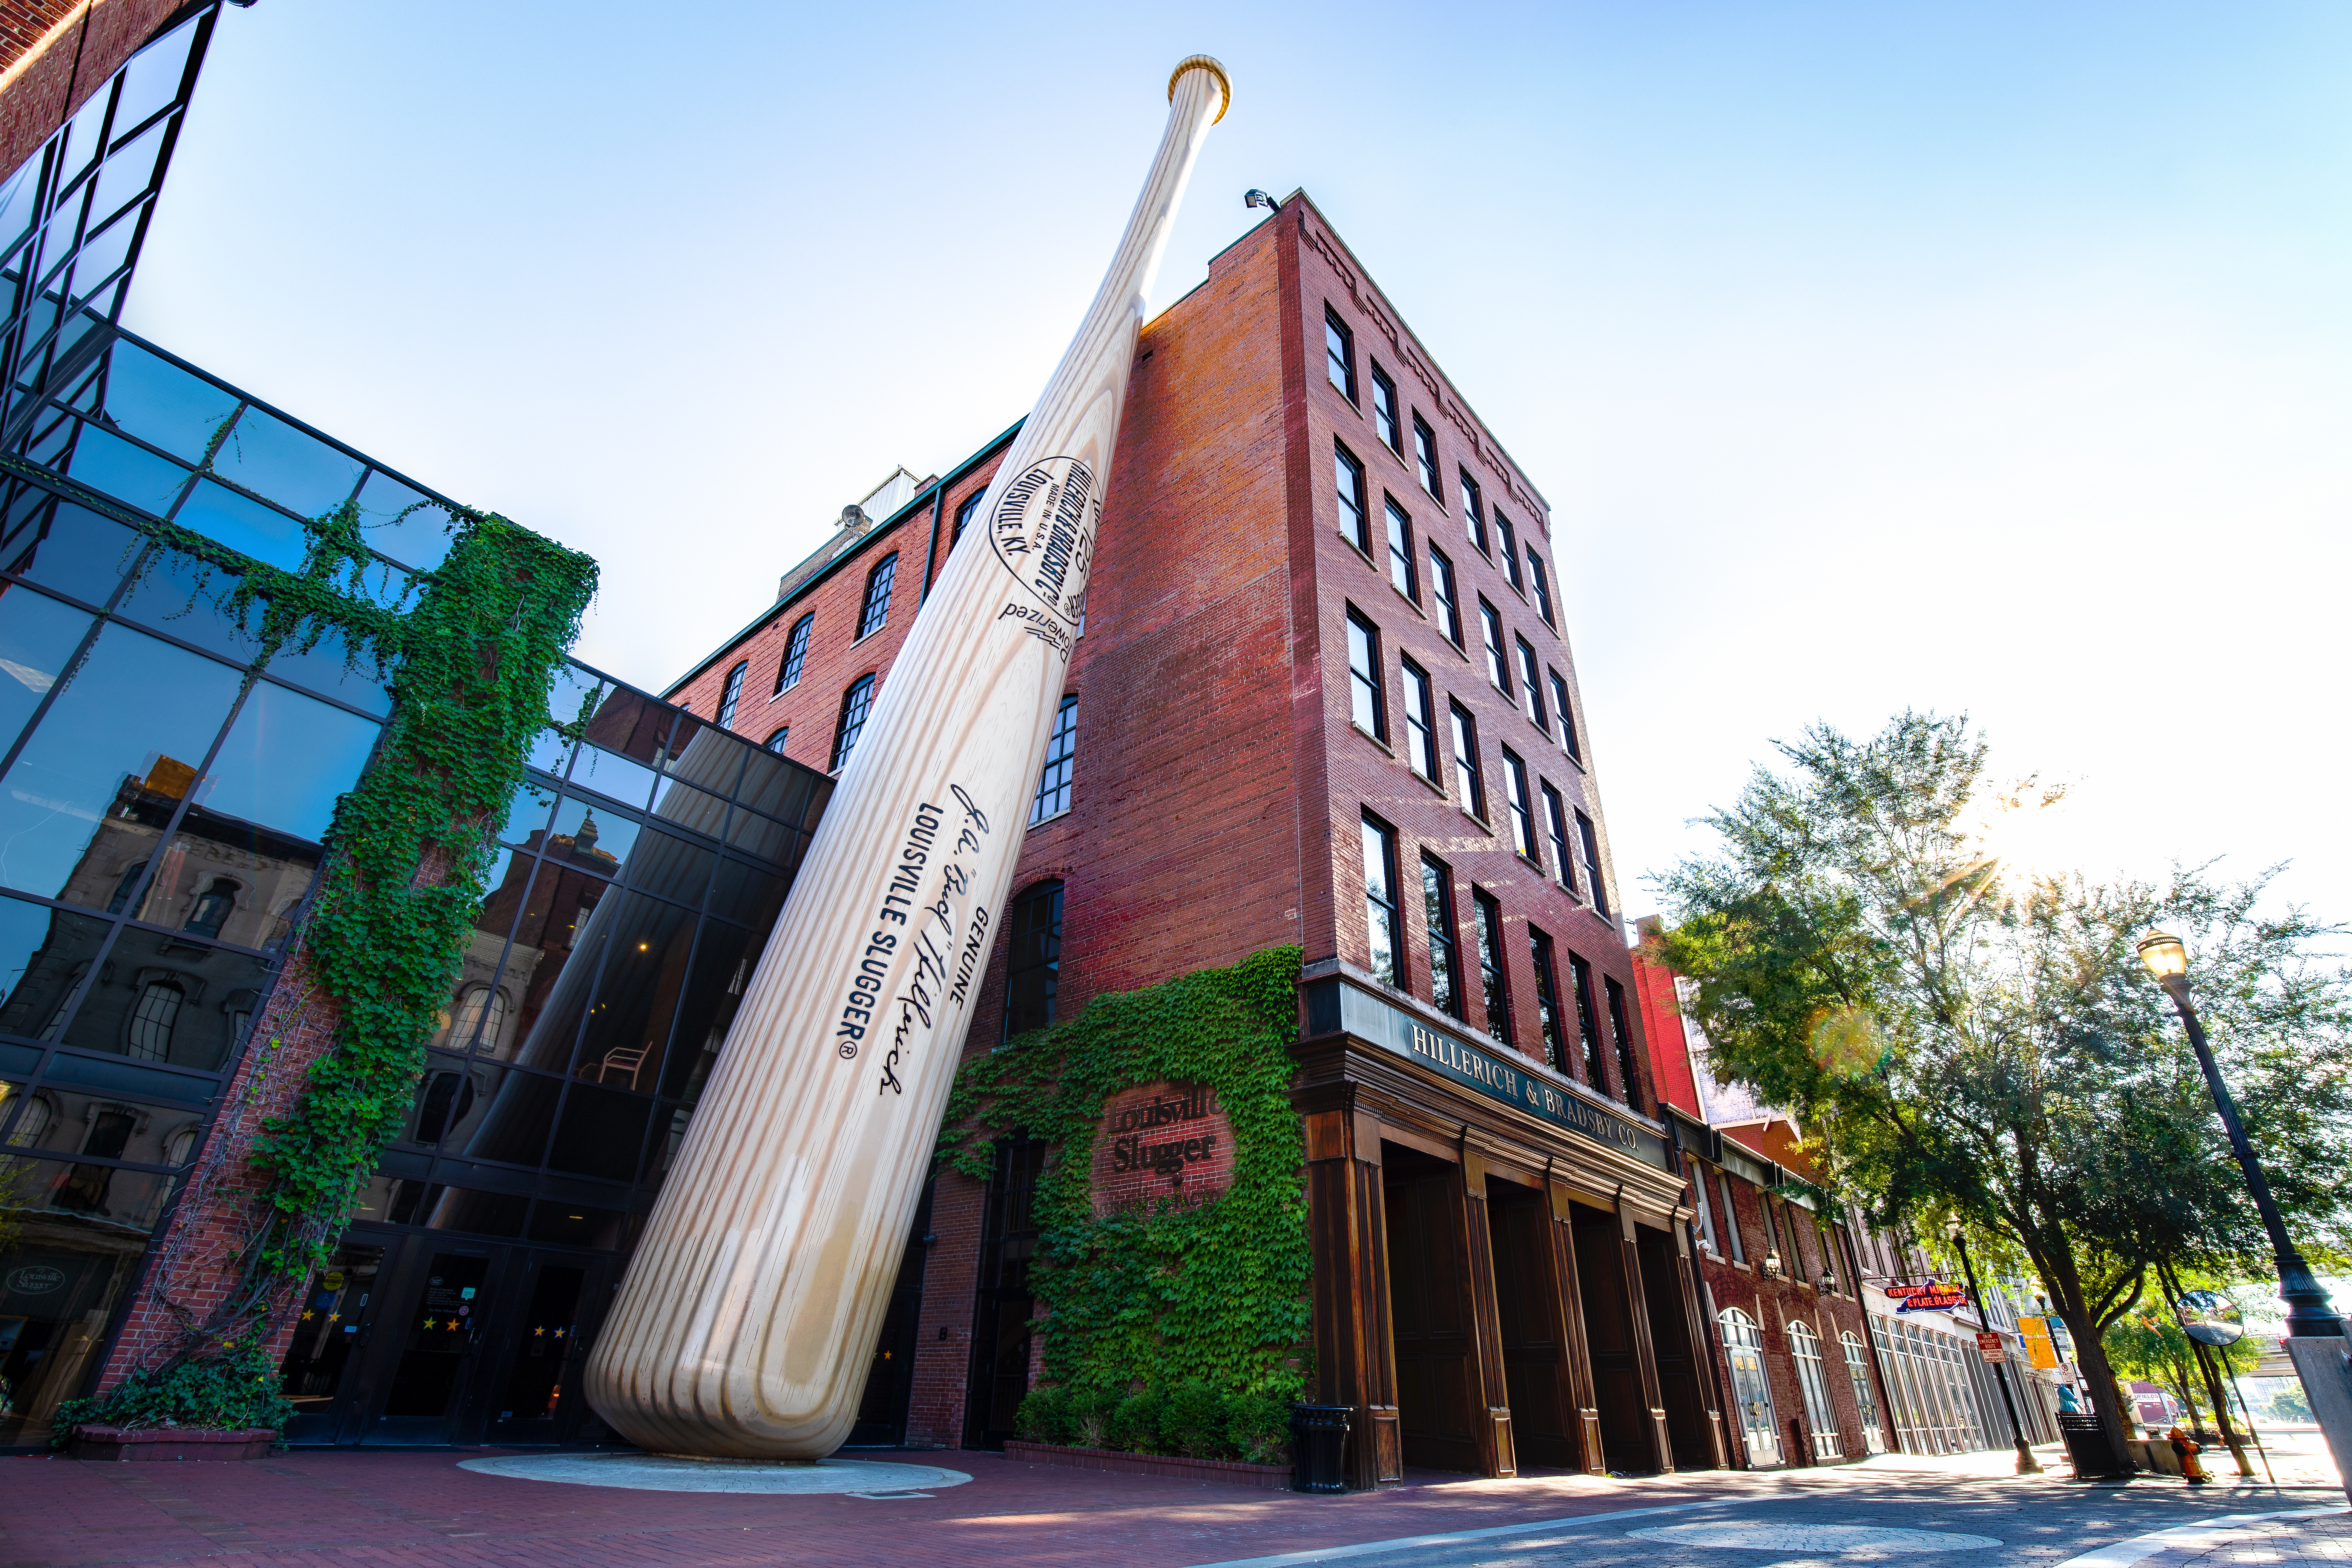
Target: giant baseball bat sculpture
751 1310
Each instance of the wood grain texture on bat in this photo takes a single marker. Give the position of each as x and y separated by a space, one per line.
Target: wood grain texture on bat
749 1317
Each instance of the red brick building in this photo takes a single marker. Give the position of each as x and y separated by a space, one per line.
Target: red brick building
1323 696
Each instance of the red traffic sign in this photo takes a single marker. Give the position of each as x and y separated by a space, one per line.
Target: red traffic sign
1989 1346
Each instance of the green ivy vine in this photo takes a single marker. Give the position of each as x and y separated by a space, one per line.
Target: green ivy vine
471 663
1147 1310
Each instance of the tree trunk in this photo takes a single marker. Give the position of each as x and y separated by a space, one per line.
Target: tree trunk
2060 1278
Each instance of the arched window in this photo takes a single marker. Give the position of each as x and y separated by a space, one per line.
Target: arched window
212 907
855 703
1865 1404
1033 973
733 695
1061 757
125 887
874 612
158 1008
788 673
479 1008
775 742
181 1146
33 1123
964 514
1805 1347
1743 1346
442 1101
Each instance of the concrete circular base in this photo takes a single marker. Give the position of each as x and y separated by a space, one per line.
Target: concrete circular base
1815 1539
666 1473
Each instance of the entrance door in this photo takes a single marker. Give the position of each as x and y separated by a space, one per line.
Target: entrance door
1438 1401
332 1334
1743 1346
891 1376
441 1336
1527 1307
1609 1340
1688 1429
536 1355
1000 1329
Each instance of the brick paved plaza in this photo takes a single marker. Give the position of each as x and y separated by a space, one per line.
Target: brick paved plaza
327 1509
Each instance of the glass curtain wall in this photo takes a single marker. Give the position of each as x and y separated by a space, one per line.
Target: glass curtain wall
1865 1402
1928 1376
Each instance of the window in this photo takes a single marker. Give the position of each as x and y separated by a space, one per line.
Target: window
1474 512
1400 553
157 1010
1489 916
1384 411
125 887
1382 923
1441 588
1587 1026
732 694
1628 1070
1530 689
1061 761
965 513
1523 815
1473 786
1420 721
1593 881
1537 580
1563 862
1424 457
1743 1347
1507 539
1805 1347
1731 1218
855 703
212 907
1445 960
874 612
1865 1404
482 1010
1348 476
775 742
1704 1187
1338 354
1490 626
1547 997
788 673
1364 703
1567 716
1034 970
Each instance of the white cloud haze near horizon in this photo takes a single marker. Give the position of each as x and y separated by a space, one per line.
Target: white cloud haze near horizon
1987 358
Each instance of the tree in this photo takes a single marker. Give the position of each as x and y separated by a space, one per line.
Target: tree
1967 1037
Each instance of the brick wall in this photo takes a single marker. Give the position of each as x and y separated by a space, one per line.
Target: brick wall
54 54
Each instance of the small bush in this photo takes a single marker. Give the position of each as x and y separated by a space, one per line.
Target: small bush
1092 1411
237 1392
1135 1426
1257 1425
1045 1416
1194 1423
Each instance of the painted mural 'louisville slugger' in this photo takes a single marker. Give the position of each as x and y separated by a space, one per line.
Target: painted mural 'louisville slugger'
751 1310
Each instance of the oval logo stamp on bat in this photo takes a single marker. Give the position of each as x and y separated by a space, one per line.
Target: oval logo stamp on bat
1043 530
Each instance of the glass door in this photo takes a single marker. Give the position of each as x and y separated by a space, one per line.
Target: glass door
441 1337
331 1332
535 1391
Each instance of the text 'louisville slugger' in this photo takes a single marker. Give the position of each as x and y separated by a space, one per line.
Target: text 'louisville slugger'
751 1310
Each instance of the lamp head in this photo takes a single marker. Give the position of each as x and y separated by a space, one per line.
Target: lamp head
2166 957
1260 199
1829 1282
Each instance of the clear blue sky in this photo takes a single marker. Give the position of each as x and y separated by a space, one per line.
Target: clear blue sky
1973 356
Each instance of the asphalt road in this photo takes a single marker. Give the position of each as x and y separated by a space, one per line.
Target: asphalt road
1859 1522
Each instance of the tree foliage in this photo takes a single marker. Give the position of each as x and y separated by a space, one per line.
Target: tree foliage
1970 1037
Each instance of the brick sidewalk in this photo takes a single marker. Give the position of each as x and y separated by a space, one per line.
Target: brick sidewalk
343 1508
2323 1542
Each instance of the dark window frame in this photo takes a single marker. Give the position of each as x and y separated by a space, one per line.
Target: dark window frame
856 705
1563 852
1424 458
1519 802
730 694
775 742
1404 576
1041 970
1498 659
1559 699
1507 545
1366 686
874 606
1383 903
1348 483
1444 937
1588 1024
796 660
1470 778
1540 580
1621 1026
1493 965
1062 754
1420 733
1445 592
1388 423
1547 966
1531 684
1474 512
964 512
1596 880
1339 356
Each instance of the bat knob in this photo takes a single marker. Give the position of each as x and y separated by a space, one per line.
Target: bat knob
1204 62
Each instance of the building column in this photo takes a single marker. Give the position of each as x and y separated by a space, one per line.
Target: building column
1645 1354
1497 1454
1355 1361
1583 1401
1701 1331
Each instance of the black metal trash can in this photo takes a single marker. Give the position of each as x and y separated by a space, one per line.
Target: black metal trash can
2087 1446
1318 1447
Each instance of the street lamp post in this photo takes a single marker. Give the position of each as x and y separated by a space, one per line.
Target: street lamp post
2309 1313
2026 1463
